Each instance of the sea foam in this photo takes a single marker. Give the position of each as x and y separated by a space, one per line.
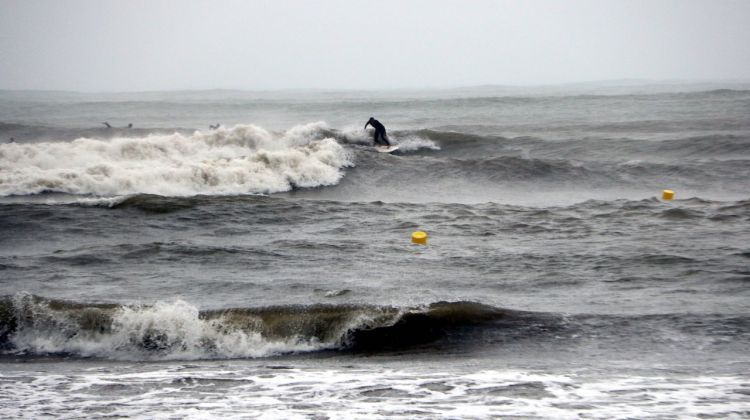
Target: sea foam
163 331
244 159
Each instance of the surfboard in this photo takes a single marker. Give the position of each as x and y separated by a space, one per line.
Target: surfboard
389 149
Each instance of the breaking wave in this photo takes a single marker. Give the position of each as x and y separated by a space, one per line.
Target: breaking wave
244 159
31 325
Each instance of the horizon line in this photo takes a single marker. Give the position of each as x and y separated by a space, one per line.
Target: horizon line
627 82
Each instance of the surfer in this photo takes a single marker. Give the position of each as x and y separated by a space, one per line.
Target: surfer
379 132
107 124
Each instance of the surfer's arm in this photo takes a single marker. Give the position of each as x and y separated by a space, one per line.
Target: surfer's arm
368 123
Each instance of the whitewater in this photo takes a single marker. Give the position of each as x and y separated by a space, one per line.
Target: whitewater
264 268
244 159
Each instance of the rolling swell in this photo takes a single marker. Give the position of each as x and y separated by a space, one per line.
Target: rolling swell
504 169
491 162
32 325
463 144
489 176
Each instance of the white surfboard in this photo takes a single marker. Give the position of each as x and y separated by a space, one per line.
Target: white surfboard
388 149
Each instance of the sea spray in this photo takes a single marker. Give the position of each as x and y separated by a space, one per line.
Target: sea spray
244 159
162 331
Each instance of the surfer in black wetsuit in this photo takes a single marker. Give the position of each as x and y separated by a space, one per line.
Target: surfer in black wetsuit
379 132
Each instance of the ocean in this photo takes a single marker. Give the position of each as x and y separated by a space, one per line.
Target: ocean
264 268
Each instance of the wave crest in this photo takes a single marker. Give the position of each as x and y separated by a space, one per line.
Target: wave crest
244 159
32 325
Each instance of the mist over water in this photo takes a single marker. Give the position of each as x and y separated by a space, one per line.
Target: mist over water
270 258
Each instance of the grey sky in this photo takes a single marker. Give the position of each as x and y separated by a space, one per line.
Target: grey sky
188 44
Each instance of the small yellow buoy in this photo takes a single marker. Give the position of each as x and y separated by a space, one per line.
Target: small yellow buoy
667 195
419 237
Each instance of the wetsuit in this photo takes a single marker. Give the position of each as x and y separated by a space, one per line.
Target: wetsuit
379 132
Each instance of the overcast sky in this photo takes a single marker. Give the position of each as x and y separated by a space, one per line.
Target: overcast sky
112 45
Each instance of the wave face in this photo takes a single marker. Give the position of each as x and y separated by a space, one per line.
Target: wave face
244 159
717 146
31 325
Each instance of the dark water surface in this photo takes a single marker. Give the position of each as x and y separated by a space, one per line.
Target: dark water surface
265 268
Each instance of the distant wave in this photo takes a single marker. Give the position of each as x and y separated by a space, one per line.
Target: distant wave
31 133
243 159
456 143
510 168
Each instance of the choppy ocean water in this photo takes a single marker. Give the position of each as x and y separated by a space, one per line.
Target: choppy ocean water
265 269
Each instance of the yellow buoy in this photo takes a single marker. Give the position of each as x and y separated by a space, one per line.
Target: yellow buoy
419 237
667 195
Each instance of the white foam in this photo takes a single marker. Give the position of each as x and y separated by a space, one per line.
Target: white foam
243 159
98 201
163 331
406 143
356 135
412 143
368 391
